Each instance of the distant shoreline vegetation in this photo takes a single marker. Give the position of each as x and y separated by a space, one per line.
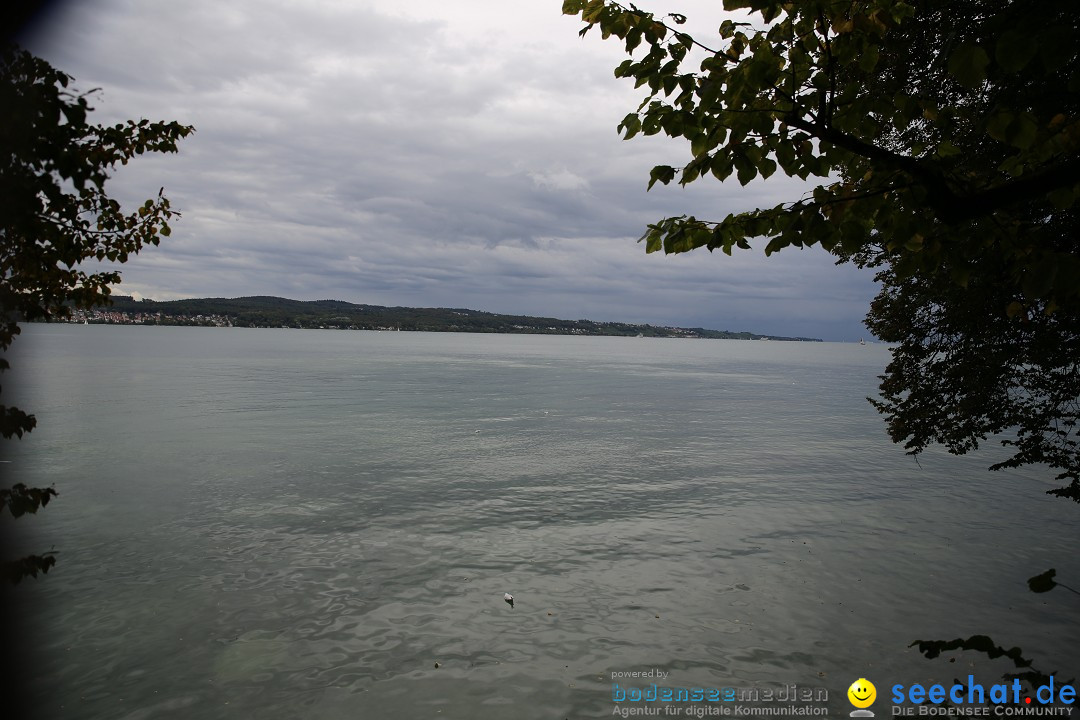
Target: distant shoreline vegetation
275 312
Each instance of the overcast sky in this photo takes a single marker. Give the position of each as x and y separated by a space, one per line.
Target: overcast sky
437 153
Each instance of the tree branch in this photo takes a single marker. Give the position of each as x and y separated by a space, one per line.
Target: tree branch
951 207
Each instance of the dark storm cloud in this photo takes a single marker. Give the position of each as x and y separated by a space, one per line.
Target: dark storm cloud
438 154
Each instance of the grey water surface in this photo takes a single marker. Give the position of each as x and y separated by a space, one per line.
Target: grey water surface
301 524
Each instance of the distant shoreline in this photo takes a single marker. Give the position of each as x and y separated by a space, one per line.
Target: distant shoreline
274 312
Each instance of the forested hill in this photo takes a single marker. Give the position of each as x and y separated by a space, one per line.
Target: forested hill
280 312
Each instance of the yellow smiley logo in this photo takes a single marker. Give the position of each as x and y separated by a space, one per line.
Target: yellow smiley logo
862 693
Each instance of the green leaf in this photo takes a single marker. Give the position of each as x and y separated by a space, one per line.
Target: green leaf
998 123
947 149
869 58
968 64
1015 49
785 154
1020 130
572 7
1023 131
699 144
767 167
652 239
592 11
961 276
745 169
661 173
721 166
631 124
1063 198
1039 278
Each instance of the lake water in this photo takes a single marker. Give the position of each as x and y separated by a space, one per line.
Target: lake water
301 524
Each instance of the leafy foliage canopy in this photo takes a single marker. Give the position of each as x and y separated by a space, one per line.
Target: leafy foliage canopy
944 139
56 219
